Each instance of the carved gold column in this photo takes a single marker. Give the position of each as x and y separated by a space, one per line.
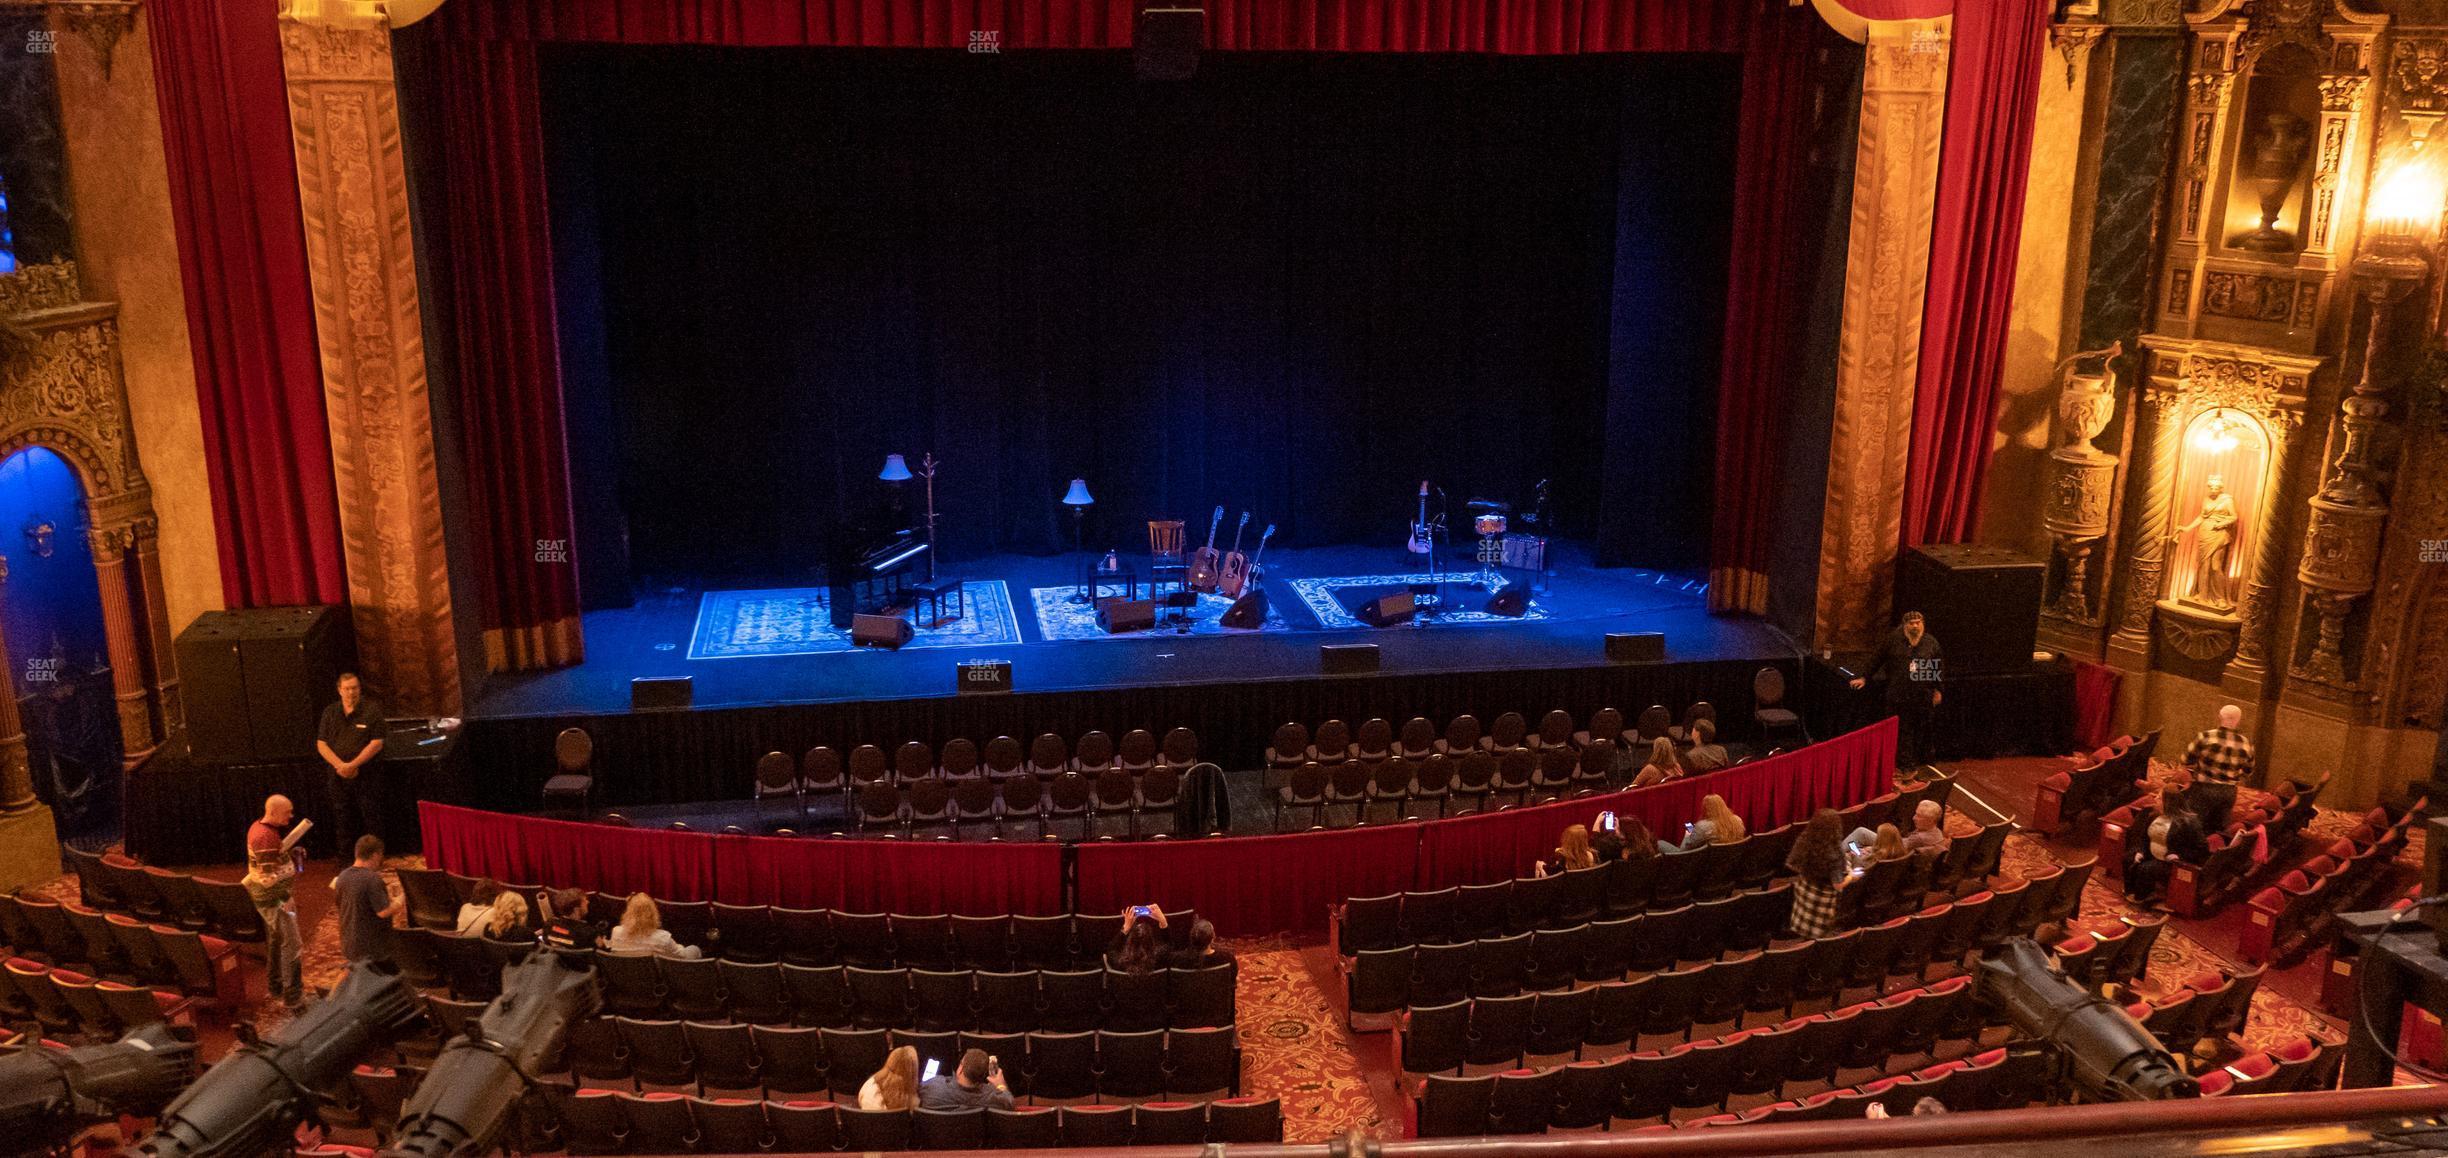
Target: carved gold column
160 641
353 188
16 777
2130 647
2246 673
110 550
1895 190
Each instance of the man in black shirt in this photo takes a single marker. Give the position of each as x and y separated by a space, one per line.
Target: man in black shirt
349 738
364 905
1913 665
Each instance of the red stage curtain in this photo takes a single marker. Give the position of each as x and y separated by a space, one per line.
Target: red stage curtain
1251 885
250 312
2095 689
509 358
1993 93
1766 293
881 876
530 850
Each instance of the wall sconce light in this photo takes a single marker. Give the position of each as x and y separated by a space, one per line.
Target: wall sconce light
2219 436
2401 215
39 536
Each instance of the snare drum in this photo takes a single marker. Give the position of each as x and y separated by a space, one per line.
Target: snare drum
1489 524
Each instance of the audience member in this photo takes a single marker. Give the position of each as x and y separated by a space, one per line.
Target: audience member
565 921
1662 766
1717 825
1638 844
1865 847
506 918
479 906
365 906
1139 947
1705 754
1607 845
1820 875
2176 834
1912 665
1201 952
1929 832
1572 852
271 883
895 1087
975 1084
641 931
2219 758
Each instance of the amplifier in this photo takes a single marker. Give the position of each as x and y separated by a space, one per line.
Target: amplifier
1388 610
1983 604
885 631
1119 615
255 681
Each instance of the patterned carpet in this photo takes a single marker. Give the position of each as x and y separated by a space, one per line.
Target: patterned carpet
1294 1048
795 621
1059 618
1331 599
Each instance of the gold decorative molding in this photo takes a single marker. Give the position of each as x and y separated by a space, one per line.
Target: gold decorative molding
353 190
1895 188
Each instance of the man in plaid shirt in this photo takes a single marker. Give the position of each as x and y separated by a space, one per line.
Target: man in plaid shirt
2219 759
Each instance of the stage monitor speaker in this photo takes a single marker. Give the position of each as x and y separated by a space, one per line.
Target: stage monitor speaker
1248 612
1636 646
662 692
885 631
1512 602
1388 610
262 679
1983 604
1348 658
1119 615
1165 43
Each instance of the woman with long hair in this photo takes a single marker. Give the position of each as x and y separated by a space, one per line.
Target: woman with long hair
1726 827
479 906
641 931
1820 875
1637 843
1572 852
1663 765
506 918
895 1087
1141 946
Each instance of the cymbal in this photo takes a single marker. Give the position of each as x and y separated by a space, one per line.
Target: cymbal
1489 505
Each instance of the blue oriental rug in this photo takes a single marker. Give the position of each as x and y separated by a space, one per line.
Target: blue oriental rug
1332 598
794 621
1059 618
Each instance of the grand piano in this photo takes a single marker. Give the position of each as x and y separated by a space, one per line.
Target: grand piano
866 572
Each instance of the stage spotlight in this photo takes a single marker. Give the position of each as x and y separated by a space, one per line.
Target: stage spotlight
465 1103
47 1095
2111 1057
253 1098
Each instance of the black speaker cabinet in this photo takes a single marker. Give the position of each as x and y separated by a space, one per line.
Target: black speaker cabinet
1388 610
1347 658
1983 604
1636 646
886 631
1119 615
648 692
1248 612
1513 601
1165 43
261 679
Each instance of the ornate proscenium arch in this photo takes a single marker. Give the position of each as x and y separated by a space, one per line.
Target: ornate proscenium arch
61 389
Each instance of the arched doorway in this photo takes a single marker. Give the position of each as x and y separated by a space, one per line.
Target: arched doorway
59 649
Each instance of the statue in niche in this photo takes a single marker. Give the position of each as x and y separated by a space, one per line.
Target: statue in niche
2213 546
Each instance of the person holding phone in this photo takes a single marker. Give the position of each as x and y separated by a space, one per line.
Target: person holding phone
975 1084
1139 947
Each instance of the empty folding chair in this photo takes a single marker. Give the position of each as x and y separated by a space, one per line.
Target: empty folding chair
1433 1039
206 967
1202 996
723 1055
948 1129
1560 1021
790 1061
1482 911
863 939
658 1051
873 1129
1062 1066
1452 1107
1499 1031
1650 1078
693 988
803 1127
1024 1128
729 1125
1497 964
850 1056
1523 1101
632 986
1130 1066
591 1120
1070 1001
1377 982
1201 1063
881 998
658 1123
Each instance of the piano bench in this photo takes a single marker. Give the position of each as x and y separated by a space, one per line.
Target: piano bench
934 596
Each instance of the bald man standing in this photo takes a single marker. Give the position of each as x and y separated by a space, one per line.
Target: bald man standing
2219 759
271 882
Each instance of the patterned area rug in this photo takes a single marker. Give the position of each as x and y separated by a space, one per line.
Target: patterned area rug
795 621
1059 618
1331 599
1292 1046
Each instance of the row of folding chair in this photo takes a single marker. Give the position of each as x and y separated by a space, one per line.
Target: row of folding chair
593 1121
1703 1074
66 1002
2213 1005
791 1061
1090 799
116 884
2097 783
2109 951
2293 1065
834 936
822 769
1376 740
2009 1077
2288 917
121 947
2260 840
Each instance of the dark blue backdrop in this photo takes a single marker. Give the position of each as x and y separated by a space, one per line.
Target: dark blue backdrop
1297 283
54 623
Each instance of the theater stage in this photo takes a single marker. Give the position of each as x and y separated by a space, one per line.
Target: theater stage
1232 688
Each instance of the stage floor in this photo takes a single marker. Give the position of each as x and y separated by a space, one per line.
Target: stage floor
659 636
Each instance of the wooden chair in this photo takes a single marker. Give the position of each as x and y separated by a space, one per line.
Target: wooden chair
913 761
959 759
574 755
1003 757
1168 558
1049 757
777 776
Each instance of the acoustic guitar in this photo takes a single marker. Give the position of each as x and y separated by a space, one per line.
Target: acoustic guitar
1204 564
1236 564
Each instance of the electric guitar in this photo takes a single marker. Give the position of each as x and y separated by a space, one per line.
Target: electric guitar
1257 570
1422 535
1203 564
1236 564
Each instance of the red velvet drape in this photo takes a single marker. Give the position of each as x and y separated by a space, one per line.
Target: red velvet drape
250 312
1993 94
508 357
